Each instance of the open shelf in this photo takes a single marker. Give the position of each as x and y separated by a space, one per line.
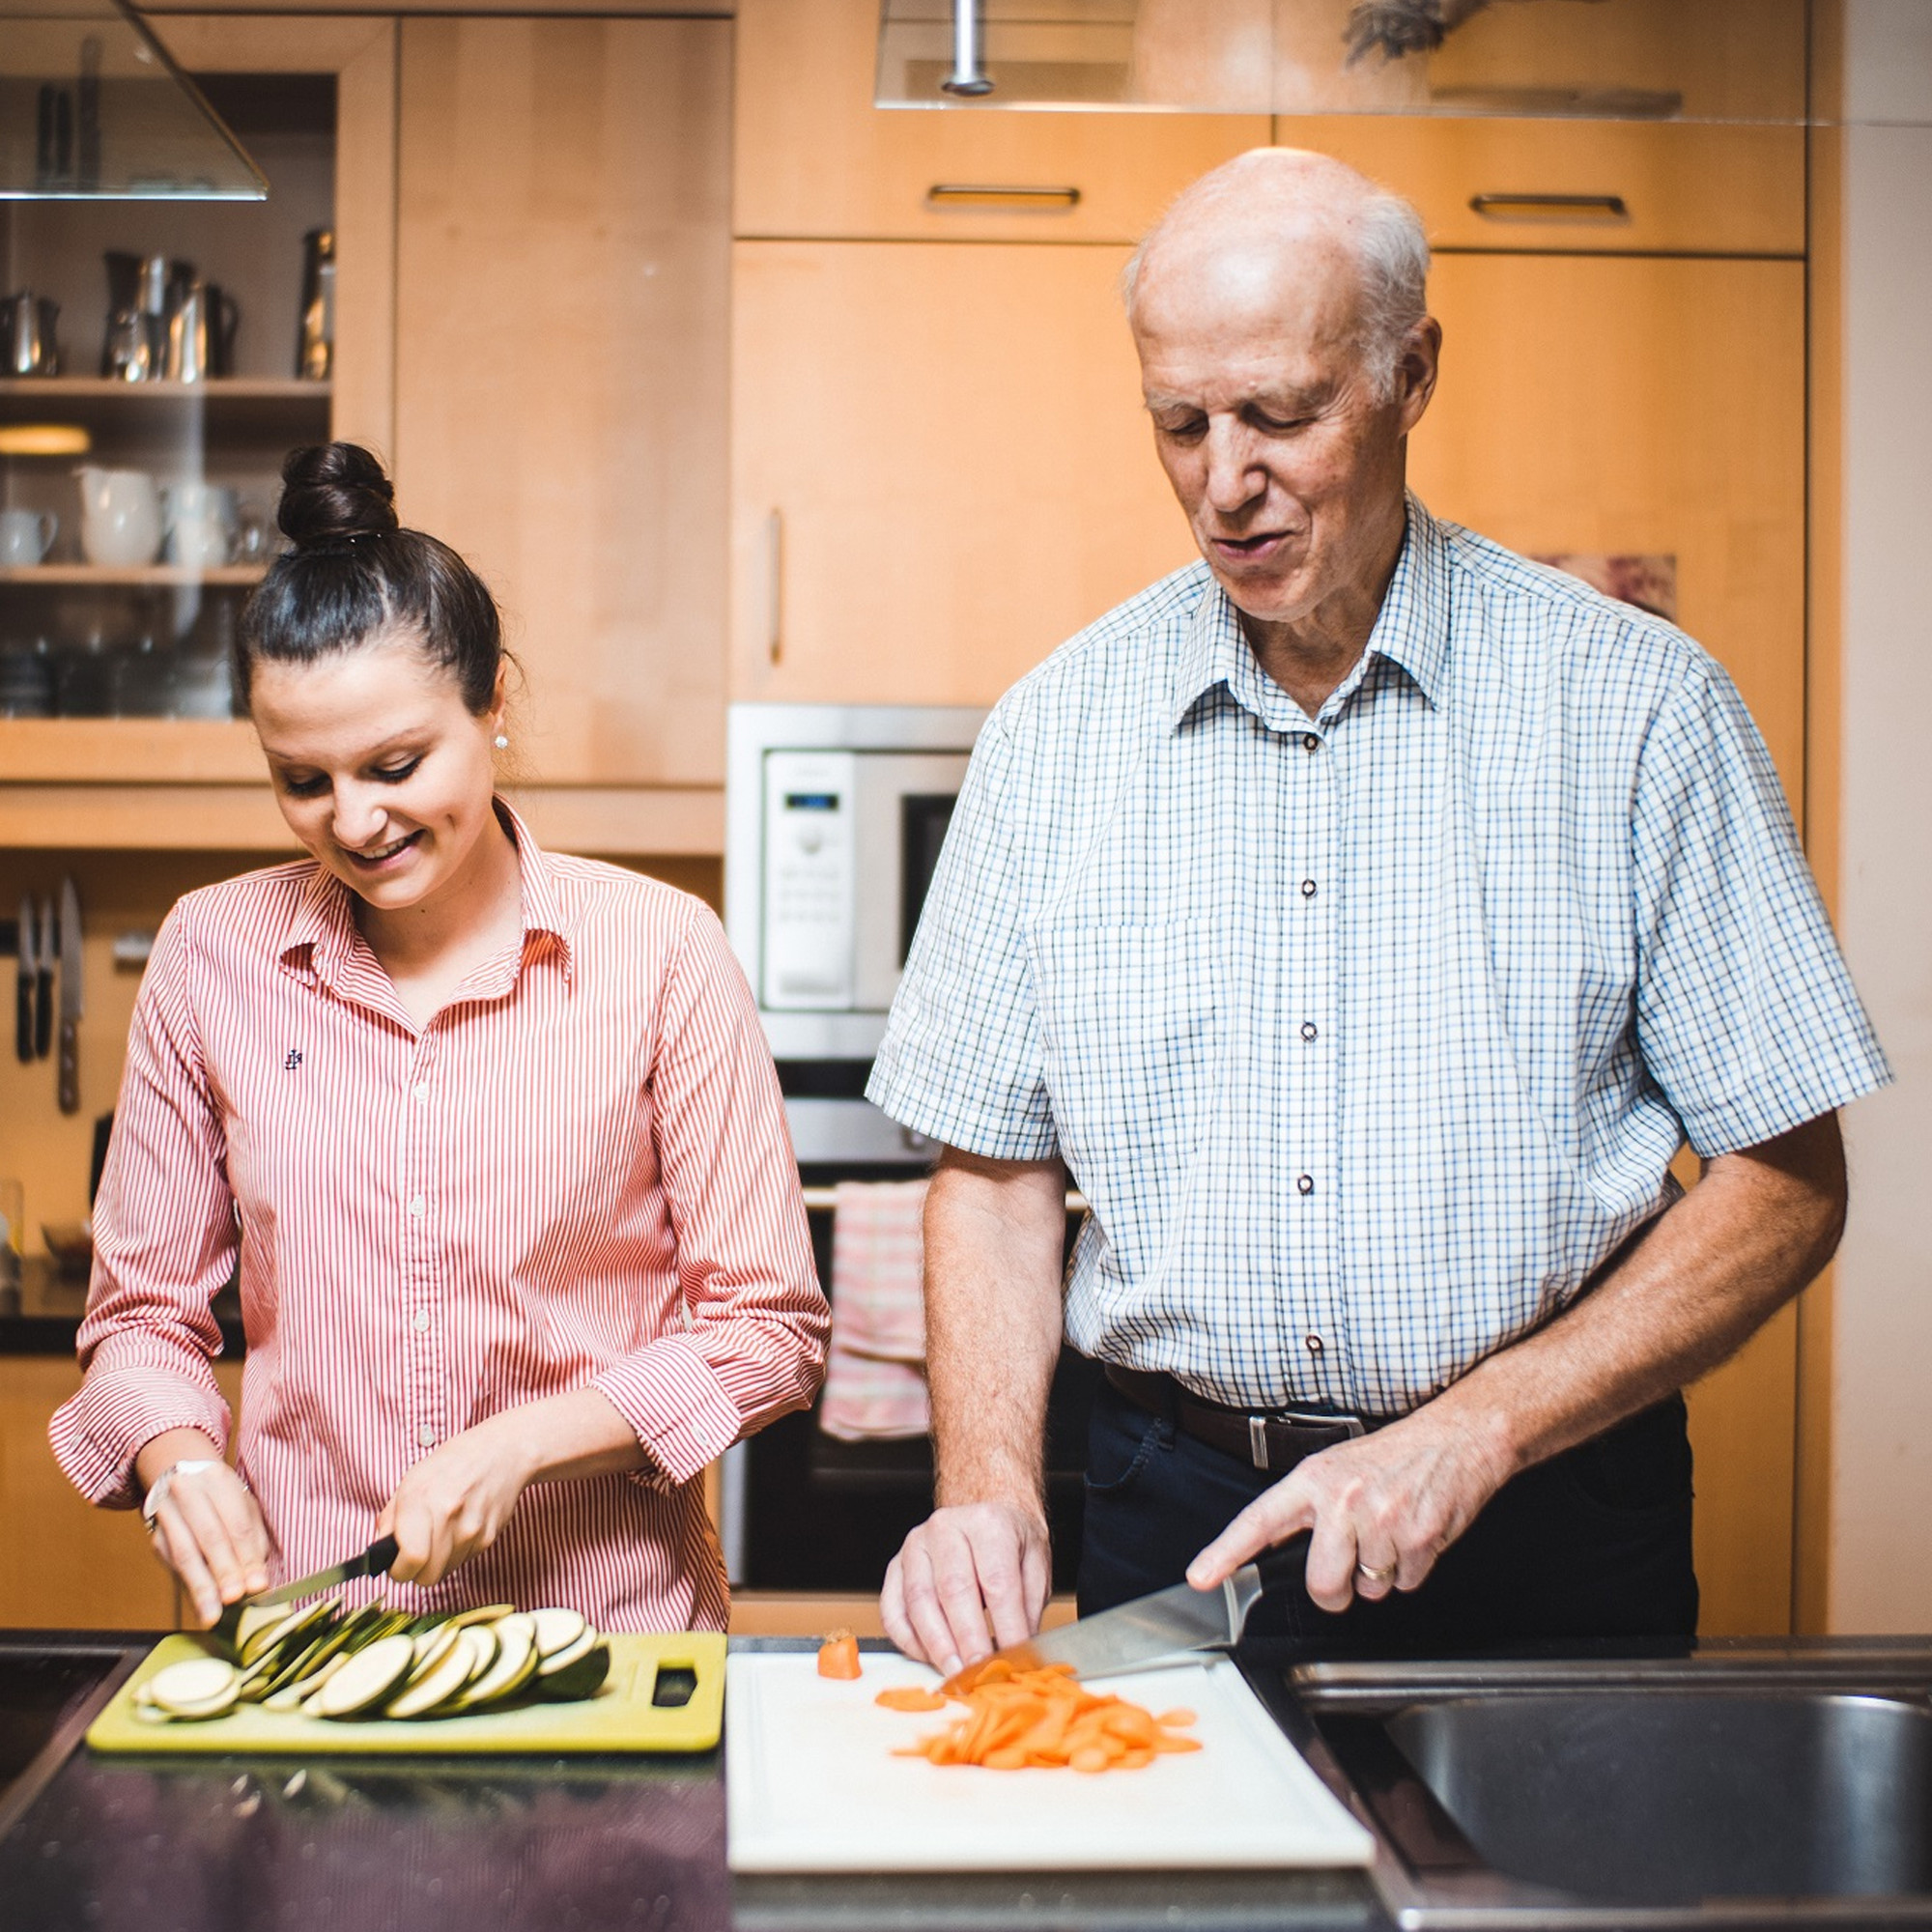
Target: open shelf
142 577
229 405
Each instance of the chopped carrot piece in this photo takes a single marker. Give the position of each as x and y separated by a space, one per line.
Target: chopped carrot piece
1015 1720
838 1654
910 1697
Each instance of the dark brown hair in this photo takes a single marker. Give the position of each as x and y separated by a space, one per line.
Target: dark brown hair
355 573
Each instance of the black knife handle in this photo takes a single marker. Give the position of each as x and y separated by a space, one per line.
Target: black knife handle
1283 1567
69 1068
44 1011
24 1018
380 1558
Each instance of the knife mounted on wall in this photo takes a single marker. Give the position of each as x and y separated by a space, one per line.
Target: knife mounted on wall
71 997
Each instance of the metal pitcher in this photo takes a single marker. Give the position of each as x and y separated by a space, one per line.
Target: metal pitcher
200 334
27 334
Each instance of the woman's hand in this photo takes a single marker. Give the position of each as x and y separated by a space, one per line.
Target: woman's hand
456 1500
207 1528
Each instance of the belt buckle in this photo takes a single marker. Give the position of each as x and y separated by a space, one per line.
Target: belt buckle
1350 1427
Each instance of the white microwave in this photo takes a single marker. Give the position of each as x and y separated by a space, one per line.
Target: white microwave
835 818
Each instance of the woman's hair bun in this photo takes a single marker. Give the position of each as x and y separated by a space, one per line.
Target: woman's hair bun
333 493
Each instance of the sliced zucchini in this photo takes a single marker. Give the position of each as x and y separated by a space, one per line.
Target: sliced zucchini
431 1646
583 1678
484 1613
198 1687
558 1630
429 1690
367 1679
515 1663
563 1660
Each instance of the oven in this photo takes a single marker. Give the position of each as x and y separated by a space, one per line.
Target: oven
834 818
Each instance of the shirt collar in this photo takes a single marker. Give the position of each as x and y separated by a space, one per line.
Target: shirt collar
322 928
1411 630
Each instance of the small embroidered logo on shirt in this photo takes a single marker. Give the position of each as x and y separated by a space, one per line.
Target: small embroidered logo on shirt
294 1060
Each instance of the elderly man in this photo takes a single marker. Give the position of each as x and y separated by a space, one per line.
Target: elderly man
1363 920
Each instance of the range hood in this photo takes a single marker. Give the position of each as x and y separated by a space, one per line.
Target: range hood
91 108
1597 60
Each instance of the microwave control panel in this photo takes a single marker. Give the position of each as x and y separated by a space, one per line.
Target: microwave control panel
810 912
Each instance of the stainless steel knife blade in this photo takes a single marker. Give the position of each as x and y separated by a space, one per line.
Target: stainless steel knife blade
375 1561
71 998
1139 1635
26 970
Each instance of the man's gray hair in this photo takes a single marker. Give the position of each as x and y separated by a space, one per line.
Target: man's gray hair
1392 249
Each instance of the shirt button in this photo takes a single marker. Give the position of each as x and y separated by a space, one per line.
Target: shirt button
1314 1344
1308 1029
416 1206
422 1091
426 1435
1305 1184
1310 742
420 1321
1308 888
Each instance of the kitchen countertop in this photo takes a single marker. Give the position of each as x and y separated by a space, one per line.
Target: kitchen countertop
232 1845
42 1316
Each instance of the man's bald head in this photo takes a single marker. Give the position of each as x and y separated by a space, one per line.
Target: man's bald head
1257 213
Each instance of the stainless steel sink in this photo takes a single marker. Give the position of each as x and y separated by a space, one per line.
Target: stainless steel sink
1786 1783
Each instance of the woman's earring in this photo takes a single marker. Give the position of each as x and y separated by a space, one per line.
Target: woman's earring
501 743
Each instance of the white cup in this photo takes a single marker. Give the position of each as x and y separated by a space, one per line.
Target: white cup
26 536
200 522
120 517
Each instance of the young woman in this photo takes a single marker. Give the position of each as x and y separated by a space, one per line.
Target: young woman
496 1133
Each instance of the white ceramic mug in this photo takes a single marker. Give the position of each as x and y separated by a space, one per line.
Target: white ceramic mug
26 536
120 517
200 523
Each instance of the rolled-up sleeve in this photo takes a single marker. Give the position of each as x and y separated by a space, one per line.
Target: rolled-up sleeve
164 1244
753 1347
962 1060
1746 1016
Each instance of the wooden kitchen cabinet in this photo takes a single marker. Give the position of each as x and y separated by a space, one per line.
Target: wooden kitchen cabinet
814 157
561 296
65 1565
940 466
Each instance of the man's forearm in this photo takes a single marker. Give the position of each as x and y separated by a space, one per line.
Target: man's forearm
994 1235
1708 1274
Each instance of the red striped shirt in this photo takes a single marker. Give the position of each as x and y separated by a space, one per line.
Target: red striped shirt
577 1173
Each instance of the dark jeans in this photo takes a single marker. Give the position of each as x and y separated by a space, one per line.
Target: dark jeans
1595 1543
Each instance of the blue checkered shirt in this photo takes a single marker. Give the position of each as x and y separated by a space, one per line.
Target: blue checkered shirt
1368 1036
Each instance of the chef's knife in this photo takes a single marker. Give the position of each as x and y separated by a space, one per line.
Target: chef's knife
43 982
24 953
1163 1628
375 1561
69 998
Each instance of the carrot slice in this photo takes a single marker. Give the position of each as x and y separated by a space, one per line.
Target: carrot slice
838 1655
1015 1720
910 1697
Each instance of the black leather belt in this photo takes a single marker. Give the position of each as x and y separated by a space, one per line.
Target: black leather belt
1274 1440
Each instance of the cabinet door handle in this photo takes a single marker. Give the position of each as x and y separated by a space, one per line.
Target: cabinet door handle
1550 207
993 194
774 585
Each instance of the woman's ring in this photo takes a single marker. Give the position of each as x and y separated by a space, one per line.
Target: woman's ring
1370 1573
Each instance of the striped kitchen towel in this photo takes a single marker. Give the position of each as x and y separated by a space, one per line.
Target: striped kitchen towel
875 1374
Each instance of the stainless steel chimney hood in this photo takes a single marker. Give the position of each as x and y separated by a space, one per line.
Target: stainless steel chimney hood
1593 60
91 108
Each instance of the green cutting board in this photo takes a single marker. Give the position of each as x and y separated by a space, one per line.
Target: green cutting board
620 1718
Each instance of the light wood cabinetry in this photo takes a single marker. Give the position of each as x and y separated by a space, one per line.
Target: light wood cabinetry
563 276
65 1565
814 157
941 468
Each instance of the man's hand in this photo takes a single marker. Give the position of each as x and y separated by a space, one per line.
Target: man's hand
963 1570
1381 1510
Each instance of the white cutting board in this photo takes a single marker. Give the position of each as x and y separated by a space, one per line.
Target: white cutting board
813 1784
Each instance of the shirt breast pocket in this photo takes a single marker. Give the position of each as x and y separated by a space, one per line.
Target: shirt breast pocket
1130 1038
